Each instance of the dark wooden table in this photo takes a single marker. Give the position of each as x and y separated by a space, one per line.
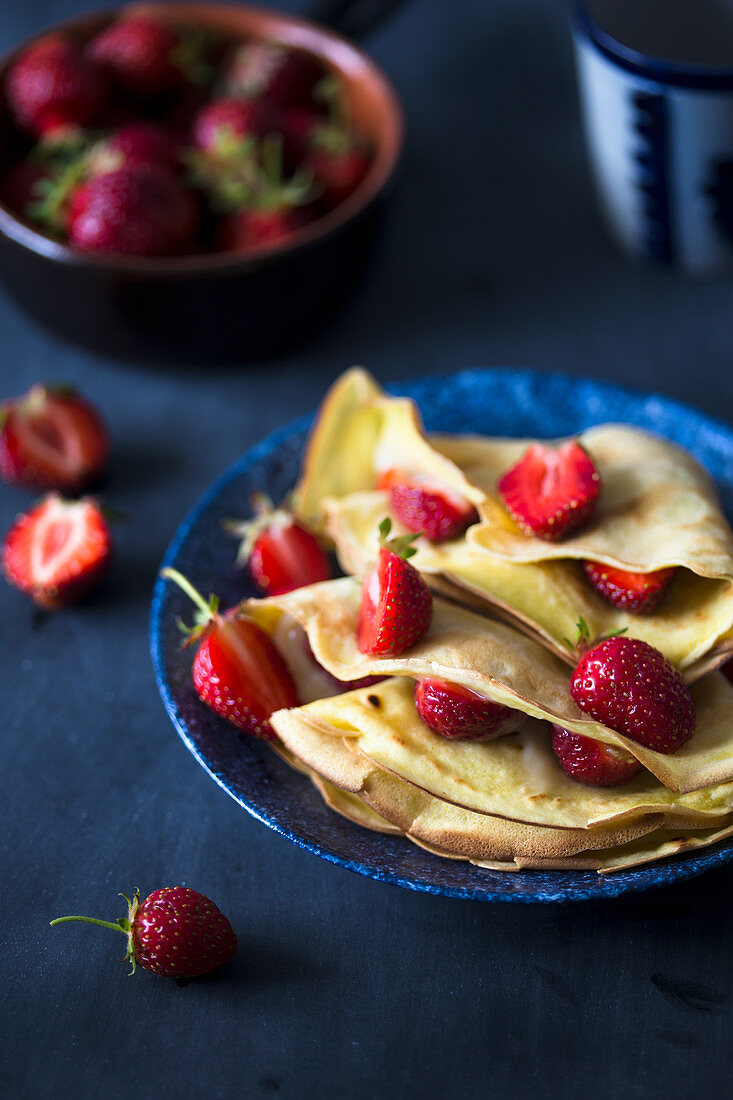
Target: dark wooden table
345 988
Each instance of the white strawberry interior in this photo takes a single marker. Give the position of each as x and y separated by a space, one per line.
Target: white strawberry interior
60 532
54 440
311 679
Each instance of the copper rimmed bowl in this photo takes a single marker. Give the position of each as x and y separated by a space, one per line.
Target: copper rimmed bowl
216 306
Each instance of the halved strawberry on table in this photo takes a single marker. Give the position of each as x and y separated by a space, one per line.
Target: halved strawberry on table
551 491
639 593
52 438
426 507
281 553
237 670
396 604
58 551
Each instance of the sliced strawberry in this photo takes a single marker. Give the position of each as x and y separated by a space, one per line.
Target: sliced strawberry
551 490
593 762
396 603
52 439
425 507
638 592
629 686
458 713
237 669
57 551
281 553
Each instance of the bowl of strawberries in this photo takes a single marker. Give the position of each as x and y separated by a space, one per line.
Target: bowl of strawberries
190 181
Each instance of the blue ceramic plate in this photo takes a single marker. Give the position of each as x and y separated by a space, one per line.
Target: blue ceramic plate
495 402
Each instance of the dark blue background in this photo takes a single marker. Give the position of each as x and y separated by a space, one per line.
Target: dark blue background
343 987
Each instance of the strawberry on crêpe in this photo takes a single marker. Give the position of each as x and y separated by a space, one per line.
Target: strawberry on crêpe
551 491
591 761
281 553
425 506
51 438
459 714
57 551
640 593
629 686
237 670
396 603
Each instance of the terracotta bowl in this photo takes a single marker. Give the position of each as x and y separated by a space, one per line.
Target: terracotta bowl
216 306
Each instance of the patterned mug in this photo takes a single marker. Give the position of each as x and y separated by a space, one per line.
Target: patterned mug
656 85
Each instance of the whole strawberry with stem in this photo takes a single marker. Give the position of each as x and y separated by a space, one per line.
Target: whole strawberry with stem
52 438
53 86
237 670
459 714
630 686
337 157
425 506
551 491
141 209
175 932
142 143
271 71
639 593
281 553
138 54
396 604
221 126
591 761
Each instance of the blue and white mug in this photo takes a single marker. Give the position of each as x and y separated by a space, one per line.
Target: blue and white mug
656 84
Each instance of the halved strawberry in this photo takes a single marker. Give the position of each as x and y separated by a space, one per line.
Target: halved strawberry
51 439
281 553
458 713
396 603
57 551
237 670
593 762
551 490
638 592
426 507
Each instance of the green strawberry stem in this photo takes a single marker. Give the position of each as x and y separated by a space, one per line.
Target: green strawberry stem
206 609
401 545
116 926
123 924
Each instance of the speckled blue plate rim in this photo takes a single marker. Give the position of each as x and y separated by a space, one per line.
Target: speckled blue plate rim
572 886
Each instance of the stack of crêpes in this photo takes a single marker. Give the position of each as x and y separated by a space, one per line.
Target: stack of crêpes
505 613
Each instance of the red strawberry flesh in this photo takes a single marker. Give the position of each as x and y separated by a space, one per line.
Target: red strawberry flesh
287 556
396 607
240 674
52 439
640 593
551 491
632 688
591 761
57 551
458 713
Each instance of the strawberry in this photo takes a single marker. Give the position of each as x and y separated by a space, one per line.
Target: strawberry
221 126
145 143
551 490
53 85
338 174
631 687
591 761
396 603
138 55
281 553
51 439
250 230
458 713
640 593
268 70
175 932
58 551
237 670
139 210
425 507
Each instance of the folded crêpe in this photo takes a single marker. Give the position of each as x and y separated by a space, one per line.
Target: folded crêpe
514 776
657 508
